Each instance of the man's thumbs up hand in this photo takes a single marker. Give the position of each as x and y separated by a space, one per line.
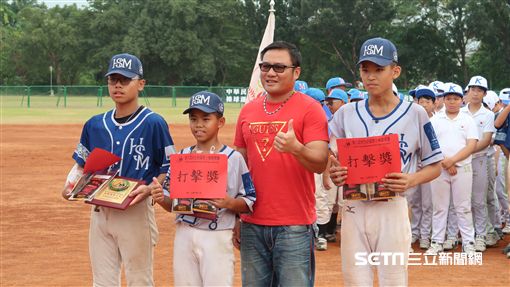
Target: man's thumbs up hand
287 142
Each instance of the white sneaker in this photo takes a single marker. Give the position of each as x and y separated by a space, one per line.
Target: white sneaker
480 243
506 230
434 249
492 239
425 243
450 243
321 244
469 249
330 237
414 239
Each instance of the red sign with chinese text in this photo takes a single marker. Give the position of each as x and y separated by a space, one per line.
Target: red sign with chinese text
369 159
198 175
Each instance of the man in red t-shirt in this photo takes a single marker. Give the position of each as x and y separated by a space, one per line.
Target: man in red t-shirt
283 137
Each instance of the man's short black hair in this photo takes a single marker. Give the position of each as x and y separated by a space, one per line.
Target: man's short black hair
295 55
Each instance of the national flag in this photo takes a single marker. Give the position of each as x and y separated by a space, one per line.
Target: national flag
256 90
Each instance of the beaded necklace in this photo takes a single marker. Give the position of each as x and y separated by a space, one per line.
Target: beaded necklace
279 107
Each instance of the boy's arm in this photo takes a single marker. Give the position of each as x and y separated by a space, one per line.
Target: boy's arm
236 205
325 174
501 118
143 191
483 142
159 196
74 174
460 155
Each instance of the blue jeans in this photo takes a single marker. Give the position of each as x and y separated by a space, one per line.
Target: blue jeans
277 255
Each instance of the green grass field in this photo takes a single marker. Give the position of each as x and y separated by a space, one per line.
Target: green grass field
44 110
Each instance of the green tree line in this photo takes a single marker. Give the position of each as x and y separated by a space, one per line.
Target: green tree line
215 42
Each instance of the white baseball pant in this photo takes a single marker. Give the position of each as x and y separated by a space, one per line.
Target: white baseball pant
369 227
492 198
322 205
420 202
123 237
203 257
452 225
479 195
501 188
458 187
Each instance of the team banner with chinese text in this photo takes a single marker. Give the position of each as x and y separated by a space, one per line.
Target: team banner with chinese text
256 90
369 159
198 175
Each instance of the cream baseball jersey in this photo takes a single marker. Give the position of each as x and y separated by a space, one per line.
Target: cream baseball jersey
409 121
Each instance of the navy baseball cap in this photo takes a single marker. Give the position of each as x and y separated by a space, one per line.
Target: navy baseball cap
337 82
379 51
207 102
424 91
412 93
125 64
316 94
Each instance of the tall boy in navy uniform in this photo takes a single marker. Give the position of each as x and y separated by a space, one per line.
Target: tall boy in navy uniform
142 139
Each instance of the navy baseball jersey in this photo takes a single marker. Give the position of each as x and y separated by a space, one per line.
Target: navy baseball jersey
409 121
144 143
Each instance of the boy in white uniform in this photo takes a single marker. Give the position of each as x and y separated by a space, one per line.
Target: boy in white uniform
203 252
438 88
484 120
382 226
457 135
492 101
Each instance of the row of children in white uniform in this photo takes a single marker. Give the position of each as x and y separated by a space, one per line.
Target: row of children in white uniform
470 197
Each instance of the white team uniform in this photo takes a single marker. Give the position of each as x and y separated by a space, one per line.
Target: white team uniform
453 135
203 252
382 226
492 198
501 190
419 200
326 199
484 121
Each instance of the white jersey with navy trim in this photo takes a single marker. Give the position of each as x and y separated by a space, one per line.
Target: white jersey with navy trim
144 143
239 184
410 121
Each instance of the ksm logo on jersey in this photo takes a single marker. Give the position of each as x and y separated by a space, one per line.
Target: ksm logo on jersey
264 133
142 160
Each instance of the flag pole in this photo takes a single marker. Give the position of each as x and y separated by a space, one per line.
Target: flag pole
255 89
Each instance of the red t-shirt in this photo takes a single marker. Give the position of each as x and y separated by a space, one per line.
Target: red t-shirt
285 189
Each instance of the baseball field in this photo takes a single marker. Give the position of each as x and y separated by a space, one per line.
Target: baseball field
44 239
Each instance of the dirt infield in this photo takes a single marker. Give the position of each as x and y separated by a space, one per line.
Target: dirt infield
44 239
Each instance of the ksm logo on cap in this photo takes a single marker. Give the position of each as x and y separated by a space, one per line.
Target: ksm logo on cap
379 51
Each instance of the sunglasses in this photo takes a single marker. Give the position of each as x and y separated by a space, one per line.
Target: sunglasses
278 68
123 80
